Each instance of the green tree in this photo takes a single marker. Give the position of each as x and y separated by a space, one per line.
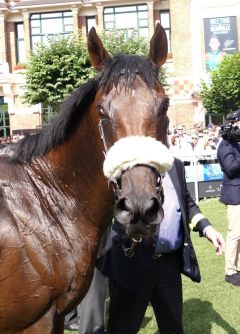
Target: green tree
55 69
222 95
115 42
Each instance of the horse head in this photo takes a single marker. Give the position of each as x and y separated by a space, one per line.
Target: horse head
132 110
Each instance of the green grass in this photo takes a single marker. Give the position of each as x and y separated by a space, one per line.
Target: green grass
211 307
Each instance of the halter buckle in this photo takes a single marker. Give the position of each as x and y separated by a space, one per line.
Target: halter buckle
130 251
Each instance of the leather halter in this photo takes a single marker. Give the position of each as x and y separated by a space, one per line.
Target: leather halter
101 131
102 126
106 137
128 251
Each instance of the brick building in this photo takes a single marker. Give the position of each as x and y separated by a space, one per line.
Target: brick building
188 24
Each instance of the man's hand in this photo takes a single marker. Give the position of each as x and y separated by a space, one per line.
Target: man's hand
216 238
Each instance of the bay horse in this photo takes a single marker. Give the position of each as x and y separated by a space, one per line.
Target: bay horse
56 197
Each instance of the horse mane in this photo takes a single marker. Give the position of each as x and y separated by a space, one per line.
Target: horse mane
121 71
70 114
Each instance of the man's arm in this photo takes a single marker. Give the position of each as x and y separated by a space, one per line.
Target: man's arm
199 223
229 159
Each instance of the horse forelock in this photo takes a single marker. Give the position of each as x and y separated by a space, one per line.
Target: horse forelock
123 70
71 112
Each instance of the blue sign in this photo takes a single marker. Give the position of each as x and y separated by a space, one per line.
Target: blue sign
205 172
212 172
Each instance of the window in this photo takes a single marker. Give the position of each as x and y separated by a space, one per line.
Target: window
90 22
166 24
45 25
21 58
4 118
127 17
48 114
216 119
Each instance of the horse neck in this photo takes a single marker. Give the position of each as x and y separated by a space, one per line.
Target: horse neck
80 154
76 168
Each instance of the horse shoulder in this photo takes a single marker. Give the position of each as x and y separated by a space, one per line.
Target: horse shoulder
22 278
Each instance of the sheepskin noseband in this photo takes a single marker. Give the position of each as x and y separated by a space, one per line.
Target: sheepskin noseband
135 150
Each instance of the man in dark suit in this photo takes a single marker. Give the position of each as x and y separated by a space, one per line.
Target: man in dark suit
229 159
152 273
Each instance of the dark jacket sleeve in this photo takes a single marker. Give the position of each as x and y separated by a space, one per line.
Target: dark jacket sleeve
229 159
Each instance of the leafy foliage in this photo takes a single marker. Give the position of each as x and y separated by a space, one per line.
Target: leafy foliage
222 95
115 42
55 69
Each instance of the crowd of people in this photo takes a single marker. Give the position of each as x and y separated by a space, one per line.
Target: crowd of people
198 141
14 138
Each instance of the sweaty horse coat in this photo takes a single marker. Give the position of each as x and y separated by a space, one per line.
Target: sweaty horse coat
55 201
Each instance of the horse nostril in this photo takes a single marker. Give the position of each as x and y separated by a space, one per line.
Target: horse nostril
124 205
152 210
124 211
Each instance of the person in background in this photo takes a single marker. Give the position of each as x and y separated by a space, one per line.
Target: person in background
205 132
152 273
89 316
181 132
192 131
209 146
91 311
229 158
217 136
195 144
183 143
199 127
175 144
15 138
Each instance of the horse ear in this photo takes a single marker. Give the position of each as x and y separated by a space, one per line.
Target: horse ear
158 47
97 53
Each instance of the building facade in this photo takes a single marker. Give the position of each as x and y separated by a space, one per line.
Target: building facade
189 24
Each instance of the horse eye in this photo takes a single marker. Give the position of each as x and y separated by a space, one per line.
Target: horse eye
100 111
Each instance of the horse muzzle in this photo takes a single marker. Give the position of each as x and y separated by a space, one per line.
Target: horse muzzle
139 207
134 165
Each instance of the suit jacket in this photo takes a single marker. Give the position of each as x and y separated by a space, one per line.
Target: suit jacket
135 272
229 158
